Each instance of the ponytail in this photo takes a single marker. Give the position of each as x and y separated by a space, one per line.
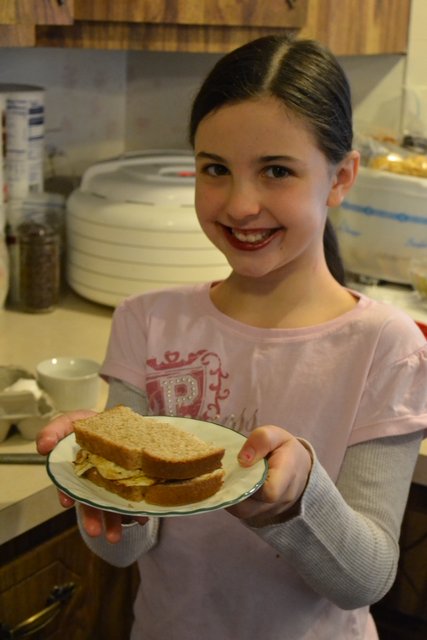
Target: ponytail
332 253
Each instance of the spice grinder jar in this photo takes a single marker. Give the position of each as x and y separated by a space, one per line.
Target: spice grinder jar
39 266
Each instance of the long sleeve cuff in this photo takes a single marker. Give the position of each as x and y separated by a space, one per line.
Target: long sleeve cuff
136 540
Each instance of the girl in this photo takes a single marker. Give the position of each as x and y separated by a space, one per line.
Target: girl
326 383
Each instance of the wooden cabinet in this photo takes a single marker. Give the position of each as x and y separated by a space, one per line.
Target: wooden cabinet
402 613
348 27
174 25
35 583
268 13
359 27
19 18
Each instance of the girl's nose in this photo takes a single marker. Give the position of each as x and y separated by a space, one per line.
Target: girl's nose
243 200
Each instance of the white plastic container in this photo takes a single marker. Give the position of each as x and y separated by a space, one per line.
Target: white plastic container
132 227
382 225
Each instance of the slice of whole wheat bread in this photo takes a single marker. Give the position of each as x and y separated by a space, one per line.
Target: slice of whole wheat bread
165 493
159 449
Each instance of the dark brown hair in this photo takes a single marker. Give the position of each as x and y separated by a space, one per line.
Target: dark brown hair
309 81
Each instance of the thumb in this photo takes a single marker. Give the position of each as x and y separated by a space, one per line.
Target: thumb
261 442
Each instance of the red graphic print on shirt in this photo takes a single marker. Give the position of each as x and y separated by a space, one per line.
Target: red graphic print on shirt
188 386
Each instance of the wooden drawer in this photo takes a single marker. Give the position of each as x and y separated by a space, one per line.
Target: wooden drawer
27 582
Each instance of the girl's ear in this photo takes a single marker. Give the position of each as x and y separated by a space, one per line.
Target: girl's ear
344 177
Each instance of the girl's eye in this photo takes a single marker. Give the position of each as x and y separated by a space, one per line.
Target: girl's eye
215 170
277 171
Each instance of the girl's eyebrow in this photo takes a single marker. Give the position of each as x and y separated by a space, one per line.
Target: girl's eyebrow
209 156
269 158
278 158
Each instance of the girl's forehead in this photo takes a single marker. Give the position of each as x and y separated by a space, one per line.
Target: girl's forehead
256 106
260 118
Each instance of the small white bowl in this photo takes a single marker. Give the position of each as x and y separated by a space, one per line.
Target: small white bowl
71 383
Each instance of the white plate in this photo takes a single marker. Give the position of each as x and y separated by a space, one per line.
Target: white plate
239 482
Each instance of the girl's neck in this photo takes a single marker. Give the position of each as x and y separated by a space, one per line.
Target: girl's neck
294 302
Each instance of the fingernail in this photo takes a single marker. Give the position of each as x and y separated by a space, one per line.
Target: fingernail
247 454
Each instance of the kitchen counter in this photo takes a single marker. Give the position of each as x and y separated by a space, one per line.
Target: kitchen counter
398 295
76 328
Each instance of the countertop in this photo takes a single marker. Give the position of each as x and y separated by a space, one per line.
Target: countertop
76 328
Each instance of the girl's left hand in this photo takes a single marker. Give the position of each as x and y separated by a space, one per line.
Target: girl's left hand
289 465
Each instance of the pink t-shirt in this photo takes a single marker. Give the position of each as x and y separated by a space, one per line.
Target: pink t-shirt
355 378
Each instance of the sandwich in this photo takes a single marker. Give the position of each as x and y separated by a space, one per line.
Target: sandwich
141 458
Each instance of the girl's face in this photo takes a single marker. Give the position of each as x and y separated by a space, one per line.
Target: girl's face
262 187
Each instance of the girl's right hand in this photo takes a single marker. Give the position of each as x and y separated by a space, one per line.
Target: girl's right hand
95 521
52 433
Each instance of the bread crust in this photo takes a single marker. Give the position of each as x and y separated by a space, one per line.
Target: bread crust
166 494
173 494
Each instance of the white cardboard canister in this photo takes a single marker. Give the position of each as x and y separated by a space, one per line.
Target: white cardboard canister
2 155
25 124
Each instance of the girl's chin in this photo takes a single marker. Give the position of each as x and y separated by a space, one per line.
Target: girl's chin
251 272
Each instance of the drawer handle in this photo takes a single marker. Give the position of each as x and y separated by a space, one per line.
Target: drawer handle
35 623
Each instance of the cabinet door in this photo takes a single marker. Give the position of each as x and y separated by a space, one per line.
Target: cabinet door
359 27
268 13
99 607
32 12
44 11
7 13
18 19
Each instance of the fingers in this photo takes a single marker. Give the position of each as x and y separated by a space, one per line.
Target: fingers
96 522
65 500
92 520
57 429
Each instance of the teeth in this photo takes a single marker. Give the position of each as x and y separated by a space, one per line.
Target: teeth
253 237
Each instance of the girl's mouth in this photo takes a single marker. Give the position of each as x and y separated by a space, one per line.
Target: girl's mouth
250 239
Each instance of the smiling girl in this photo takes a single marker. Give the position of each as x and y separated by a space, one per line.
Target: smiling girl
263 190
327 384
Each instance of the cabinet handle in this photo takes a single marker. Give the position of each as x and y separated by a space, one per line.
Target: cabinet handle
37 622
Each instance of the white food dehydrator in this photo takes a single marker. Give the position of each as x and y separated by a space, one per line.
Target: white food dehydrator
132 227
382 225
